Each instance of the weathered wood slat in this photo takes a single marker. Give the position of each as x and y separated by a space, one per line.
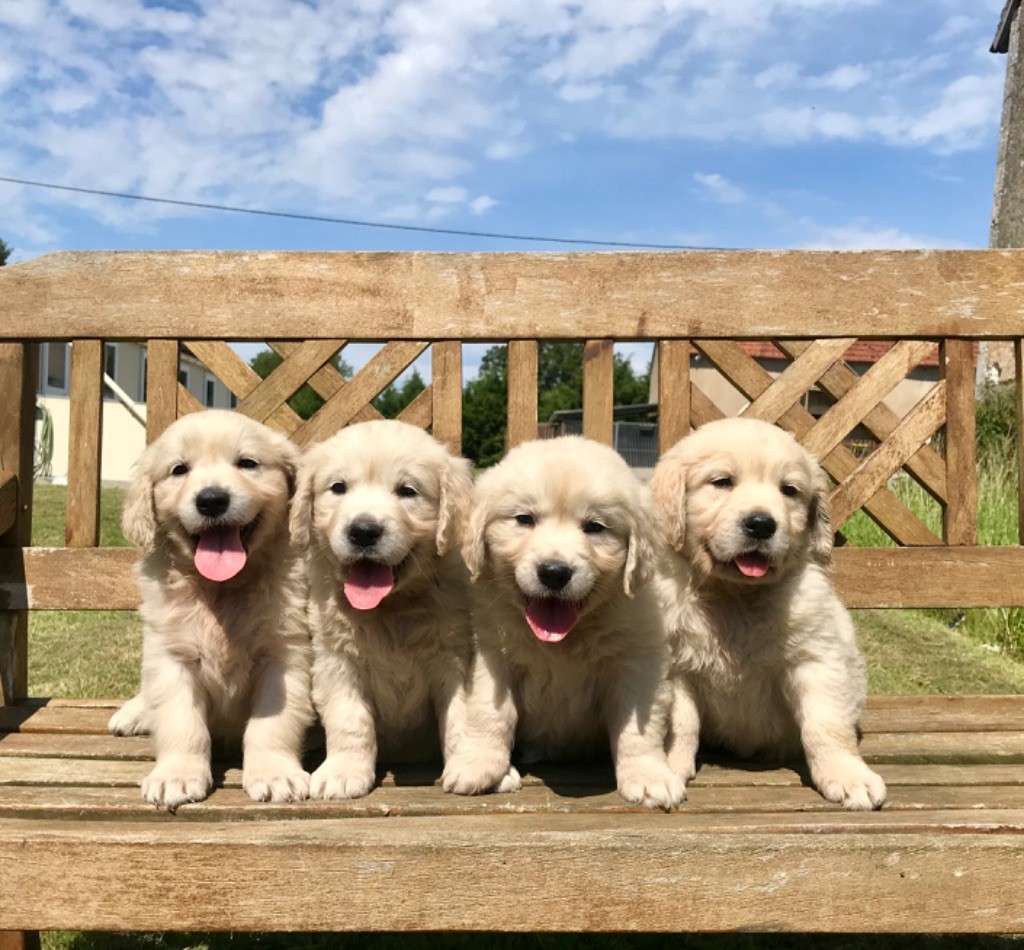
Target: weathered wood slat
8 501
919 425
959 870
522 392
420 296
598 390
274 391
960 513
85 435
187 403
702 409
161 386
19 377
446 383
673 392
797 378
241 379
343 406
926 465
878 381
752 380
419 412
68 579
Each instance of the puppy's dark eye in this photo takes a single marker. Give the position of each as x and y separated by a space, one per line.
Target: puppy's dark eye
725 482
790 491
406 491
247 462
527 521
594 527
180 469
339 488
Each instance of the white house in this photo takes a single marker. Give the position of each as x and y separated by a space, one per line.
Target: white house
124 432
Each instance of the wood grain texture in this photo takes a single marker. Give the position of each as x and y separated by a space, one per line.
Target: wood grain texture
673 392
187 403
797 378
522 392
19 940
702 409
286 379
446 383
8 501
85 440
958 871
925 465
599 390
752 380
161 386
960 513
68 579
419 412
344 405
19 376
878 381
761 294
888 457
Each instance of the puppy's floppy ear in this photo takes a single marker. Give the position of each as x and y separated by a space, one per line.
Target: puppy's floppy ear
456 482
300 518
474 549
138 518
642 550
668 486
820 535
290 457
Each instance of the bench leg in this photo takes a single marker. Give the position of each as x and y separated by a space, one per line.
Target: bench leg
19 940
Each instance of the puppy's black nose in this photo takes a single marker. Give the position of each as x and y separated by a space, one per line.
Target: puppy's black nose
759 525
554 575
212 502
364 532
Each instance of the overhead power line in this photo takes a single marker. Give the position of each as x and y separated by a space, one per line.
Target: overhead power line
354 222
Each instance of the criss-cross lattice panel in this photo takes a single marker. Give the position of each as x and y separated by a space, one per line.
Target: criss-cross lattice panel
944 468
312 363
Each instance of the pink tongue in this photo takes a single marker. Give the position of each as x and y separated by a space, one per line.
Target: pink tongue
220 555
369 582
551 619
753 565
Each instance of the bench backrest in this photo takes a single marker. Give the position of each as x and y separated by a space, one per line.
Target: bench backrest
932 307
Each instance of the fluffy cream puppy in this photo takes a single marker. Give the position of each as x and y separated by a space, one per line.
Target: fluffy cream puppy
225 650
379 506
765 658
571 651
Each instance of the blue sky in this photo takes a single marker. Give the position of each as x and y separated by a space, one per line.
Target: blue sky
771 124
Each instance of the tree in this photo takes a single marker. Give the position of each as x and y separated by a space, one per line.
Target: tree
395 398
559 385
305 402
5 252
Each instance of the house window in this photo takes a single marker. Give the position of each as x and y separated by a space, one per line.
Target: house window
56 359
183 376
109 367
209 393
233 400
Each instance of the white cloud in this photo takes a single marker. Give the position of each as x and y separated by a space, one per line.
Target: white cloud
450 195
719 188
864 237
482 204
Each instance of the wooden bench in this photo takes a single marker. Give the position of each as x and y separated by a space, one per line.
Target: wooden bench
754 847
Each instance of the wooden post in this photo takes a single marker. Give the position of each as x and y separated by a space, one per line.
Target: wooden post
19 376
522 392
598 390
161 386
446 383
85 441
1008 204
673 370
960 513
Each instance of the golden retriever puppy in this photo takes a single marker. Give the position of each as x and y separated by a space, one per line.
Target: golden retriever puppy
225 648
765 658
379 506
571 651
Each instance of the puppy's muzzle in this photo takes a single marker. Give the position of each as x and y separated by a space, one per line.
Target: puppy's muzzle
212 502
365 532
554 575
759 526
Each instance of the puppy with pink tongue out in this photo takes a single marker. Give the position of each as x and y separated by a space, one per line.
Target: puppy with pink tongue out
571 652
379 507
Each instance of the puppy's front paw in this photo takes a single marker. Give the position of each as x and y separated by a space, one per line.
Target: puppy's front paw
274 778
130 719
847 780
477 772
683 763
648 780
177 780
343 776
